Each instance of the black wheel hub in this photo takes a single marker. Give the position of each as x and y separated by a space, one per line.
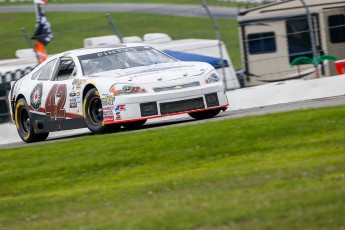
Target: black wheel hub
24 120
96 113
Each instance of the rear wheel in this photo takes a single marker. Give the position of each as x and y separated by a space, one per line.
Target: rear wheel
93 113
24 124
204 114
134 124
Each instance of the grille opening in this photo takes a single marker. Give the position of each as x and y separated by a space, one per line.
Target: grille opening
182 106
148 109
212 100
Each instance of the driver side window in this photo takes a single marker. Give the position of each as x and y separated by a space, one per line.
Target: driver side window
66 70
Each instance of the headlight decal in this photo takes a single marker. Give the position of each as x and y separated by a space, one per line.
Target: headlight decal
119 89
212 77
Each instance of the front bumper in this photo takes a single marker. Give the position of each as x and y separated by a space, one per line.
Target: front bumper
128 108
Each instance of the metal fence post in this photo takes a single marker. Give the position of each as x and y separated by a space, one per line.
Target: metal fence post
219 38
27 37
312 38
112 24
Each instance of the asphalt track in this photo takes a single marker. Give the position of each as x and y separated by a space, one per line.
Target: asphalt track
163 9
186 120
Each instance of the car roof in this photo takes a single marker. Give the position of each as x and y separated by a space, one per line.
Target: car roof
101 48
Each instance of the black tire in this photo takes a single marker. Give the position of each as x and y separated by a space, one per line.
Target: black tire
24 124
204 114
134 124
93 115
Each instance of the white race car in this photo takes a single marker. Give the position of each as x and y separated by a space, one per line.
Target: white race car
104 88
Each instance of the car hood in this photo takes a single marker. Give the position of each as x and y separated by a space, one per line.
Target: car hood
154 73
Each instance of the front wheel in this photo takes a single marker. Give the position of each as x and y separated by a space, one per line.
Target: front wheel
92 110
24 124
204 114
93 114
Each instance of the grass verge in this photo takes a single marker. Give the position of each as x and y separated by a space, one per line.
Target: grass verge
274 171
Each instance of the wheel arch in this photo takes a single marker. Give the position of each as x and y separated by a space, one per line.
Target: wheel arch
13 106
20 96
87 89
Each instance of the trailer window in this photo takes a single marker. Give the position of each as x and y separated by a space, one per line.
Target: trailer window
336 25
298 37
260 43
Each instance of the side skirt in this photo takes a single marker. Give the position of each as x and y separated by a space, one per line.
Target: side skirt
43 124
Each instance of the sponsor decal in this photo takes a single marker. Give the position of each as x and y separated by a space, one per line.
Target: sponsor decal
107 103
36 96
74 82
78 94
78 82
72 105
118 116
72 94
108 113
128 90
107 108
108 100
108 118
120 108
78 99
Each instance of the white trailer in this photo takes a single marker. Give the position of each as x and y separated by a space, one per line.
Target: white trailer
273 36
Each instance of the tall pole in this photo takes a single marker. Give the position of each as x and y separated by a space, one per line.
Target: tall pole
219 38
28 39
112 24
312 37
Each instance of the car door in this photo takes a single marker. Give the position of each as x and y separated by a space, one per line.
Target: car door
63 83
53 84
53 93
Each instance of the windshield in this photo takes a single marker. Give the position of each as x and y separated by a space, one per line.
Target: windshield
122 58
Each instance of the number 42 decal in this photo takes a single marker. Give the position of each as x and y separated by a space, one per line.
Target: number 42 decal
56 110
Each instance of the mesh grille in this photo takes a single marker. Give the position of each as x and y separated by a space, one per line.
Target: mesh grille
182 106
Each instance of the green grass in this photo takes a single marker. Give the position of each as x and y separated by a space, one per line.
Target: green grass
278 171
71 28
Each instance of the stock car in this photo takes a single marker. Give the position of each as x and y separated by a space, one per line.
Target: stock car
104 88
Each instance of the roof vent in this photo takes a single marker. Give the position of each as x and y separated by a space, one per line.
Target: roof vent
25 53
155 38
102 40
132 39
